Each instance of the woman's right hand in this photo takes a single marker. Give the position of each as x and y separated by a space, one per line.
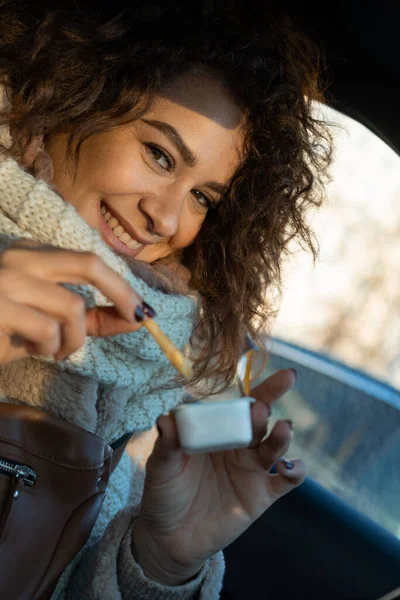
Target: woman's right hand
39 316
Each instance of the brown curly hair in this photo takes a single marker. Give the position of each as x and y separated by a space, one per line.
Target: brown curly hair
89 70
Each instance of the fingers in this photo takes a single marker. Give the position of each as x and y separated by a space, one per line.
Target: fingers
13 348
290 474
276 444
66 309
259 417
64 266
105 321
89 268
40 330
48 319
275 386
168 432
167 459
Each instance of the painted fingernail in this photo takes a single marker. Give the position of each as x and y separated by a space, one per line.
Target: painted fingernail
295 373
290 423
288 464
139 313
148 310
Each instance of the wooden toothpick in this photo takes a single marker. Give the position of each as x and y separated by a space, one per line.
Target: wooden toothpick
173 354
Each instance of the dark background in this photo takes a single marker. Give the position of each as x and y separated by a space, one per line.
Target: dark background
361 43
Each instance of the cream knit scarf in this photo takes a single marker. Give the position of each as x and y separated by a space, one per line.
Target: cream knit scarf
110 385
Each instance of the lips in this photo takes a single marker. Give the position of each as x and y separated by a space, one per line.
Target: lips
115 233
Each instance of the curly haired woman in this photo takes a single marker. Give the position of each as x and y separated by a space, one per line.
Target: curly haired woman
159 160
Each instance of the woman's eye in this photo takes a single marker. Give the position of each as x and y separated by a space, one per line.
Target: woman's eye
203 200
160 157
167 164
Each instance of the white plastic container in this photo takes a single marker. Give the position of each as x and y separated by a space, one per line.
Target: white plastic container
214 425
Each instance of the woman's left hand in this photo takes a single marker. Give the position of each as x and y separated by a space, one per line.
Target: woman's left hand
196 505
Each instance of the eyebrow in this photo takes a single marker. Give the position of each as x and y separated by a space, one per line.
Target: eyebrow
175 137
189 158
218 188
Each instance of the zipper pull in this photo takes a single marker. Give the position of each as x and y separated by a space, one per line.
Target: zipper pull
14 469
23 476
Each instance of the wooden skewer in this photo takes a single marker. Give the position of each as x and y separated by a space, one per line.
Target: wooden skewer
247 373
174 355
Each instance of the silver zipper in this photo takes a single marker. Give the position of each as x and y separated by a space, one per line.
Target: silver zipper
14 469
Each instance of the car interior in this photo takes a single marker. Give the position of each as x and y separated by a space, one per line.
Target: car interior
321 541
336 537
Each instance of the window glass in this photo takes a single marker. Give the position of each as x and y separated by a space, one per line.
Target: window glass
348 304
346 430
346 308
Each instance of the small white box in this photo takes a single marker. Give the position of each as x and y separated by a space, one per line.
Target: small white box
214 425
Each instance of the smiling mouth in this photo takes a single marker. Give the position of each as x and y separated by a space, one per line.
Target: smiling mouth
116 236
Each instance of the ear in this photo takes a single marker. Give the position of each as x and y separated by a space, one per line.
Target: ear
36 161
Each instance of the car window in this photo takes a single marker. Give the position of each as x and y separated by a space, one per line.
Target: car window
346 430
346 309
348 304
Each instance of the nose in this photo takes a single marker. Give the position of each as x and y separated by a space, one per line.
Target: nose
163 211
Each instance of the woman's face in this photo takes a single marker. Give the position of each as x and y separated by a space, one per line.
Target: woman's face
147 187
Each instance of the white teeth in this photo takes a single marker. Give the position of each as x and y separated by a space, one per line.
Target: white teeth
125 237
133 244
119 231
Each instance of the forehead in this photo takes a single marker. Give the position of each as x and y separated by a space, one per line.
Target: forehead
199 106
205 97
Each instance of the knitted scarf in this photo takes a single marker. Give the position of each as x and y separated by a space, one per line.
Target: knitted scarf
110 385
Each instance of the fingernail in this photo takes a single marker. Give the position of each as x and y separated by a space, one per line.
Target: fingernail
268 410
290 423
139 313
148 310
159 430
295 373
288 464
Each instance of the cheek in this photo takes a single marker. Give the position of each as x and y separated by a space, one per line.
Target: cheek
111 165
114 176
188 230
